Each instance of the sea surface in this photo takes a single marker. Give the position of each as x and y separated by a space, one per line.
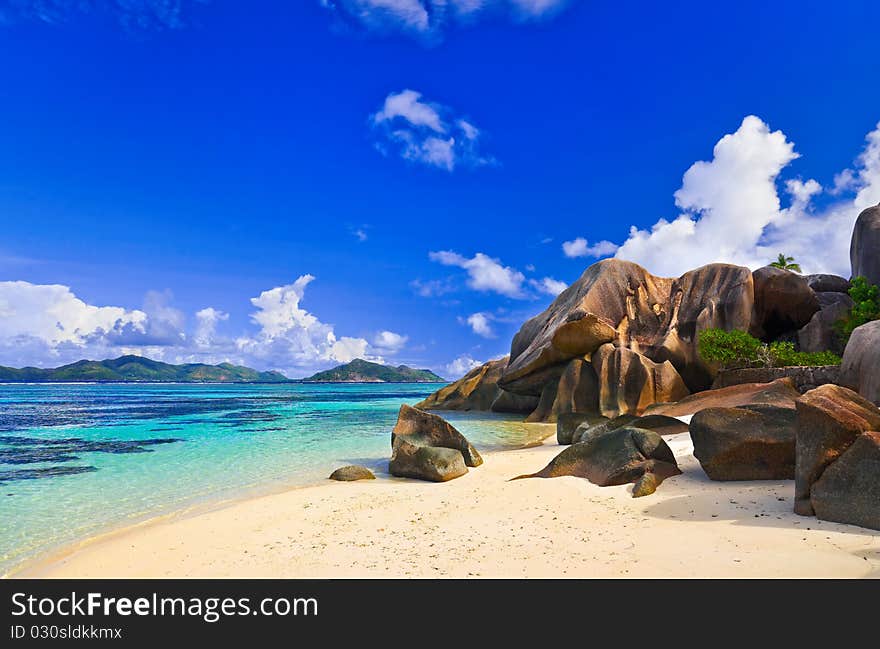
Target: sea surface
80 459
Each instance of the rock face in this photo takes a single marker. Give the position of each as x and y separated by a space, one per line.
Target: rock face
827 283
352 473
751 443
829 419
578 389
784 302
630 382
864 252
568 423
819 334
431 463
660 424
478 390
803 378
780 393
619 302
625 455
860 370
849 489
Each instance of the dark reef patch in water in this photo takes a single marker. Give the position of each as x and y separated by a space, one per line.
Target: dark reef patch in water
31 450
37 474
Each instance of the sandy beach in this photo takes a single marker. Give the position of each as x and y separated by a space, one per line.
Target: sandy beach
482 525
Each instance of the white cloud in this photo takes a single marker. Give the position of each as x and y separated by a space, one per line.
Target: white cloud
426 133
427 19
461 366
580 247
484 273
433 287
388 342
206 327
549 285
732 211
481 325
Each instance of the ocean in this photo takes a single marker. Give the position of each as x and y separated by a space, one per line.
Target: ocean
80 459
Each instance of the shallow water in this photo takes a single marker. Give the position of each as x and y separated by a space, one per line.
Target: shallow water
77 459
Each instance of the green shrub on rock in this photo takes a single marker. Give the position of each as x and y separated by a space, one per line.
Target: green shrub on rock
737 349
866 307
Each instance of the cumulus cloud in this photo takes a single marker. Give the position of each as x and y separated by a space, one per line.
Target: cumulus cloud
580 247
461 366
732 211
549 286
131 14
426 133
389 342
428 19
481 324
45 325
484 273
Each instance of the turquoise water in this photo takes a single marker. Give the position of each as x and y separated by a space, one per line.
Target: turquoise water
79 459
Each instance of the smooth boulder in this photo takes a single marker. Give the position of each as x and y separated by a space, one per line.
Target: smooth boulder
420 428
784 302
351 473
820 333
600 426
622 456
630 382
568 423
578 389
849 489
751 443
781 392
827 283
478 390
829 419
864 252
860 370
432 463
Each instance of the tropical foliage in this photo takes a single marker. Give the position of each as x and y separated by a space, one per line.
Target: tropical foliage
737 349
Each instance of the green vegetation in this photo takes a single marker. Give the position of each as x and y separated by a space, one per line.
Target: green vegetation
361 371
737 349
139 369
786 263
866 308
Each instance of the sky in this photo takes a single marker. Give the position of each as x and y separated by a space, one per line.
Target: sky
291 185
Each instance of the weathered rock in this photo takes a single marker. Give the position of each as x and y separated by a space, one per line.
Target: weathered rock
351 473
827 283
860 370
657 317
544 412
432 463
601 426
578 389
820 333
829 419
864 251
804 378
617 457
784 302
849 489
420 428
660 424
780 393
630 382
752 443
568 423
478 390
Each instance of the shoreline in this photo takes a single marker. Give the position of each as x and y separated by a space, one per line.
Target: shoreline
482 525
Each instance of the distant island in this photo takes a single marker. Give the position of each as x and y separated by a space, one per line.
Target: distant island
361 371
137 369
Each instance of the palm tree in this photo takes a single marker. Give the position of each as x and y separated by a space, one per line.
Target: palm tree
786 263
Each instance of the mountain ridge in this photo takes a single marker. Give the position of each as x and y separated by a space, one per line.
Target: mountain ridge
361 371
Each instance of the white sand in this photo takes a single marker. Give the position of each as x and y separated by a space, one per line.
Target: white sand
481 525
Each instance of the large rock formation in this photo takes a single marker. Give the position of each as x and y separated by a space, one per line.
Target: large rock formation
781 392
849 489
750 443
784 302
820 333
416 430
804 378
827 283
829 419
578 389
630 382
568 423
864 252
625 455
860 370
619 302
478 390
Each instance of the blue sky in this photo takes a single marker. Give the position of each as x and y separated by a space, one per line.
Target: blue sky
402 179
